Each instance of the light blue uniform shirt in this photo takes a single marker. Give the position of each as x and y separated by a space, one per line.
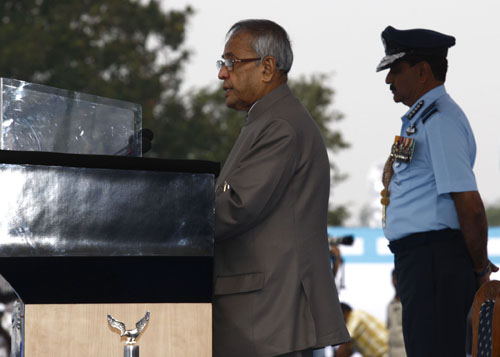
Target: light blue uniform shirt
442 162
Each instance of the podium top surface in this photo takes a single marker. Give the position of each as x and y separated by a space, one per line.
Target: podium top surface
107 162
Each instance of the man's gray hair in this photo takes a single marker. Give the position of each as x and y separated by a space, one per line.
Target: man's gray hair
268 39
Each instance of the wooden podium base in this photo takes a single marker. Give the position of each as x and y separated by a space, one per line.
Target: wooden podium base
82 330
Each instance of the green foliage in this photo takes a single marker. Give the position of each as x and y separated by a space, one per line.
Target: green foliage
206 130
337 216
122 49
493 214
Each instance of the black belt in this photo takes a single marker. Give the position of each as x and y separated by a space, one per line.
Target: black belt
423 238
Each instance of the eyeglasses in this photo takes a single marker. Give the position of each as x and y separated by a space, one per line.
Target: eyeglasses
229 63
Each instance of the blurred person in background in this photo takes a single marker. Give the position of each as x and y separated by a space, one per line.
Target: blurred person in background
395 323
369 335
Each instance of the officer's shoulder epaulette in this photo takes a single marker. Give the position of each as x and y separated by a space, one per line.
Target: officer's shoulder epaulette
429 112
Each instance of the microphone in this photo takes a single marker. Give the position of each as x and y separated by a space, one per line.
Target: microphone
146 136
345 240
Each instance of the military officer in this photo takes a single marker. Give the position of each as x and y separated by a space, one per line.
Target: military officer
433 214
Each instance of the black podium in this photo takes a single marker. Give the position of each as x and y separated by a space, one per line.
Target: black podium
82 236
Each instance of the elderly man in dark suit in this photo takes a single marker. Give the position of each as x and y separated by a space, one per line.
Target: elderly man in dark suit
274 293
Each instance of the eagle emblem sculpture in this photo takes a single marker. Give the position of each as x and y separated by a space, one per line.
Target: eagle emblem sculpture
130 334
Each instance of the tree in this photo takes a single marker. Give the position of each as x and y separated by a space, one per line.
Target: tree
213 128
123 49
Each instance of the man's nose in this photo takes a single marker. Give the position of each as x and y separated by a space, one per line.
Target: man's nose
387 79
223 73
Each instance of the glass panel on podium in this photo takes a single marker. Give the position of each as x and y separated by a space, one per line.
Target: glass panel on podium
36 117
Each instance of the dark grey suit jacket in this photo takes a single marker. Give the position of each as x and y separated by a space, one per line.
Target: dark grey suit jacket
274 292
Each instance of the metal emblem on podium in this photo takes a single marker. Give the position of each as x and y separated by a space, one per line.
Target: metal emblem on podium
130 348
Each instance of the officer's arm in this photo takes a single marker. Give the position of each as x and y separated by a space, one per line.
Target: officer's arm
472 218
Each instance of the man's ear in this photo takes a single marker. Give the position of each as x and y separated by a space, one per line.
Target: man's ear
425 71
269 68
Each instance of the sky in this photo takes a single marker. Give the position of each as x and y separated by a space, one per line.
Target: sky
342 39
